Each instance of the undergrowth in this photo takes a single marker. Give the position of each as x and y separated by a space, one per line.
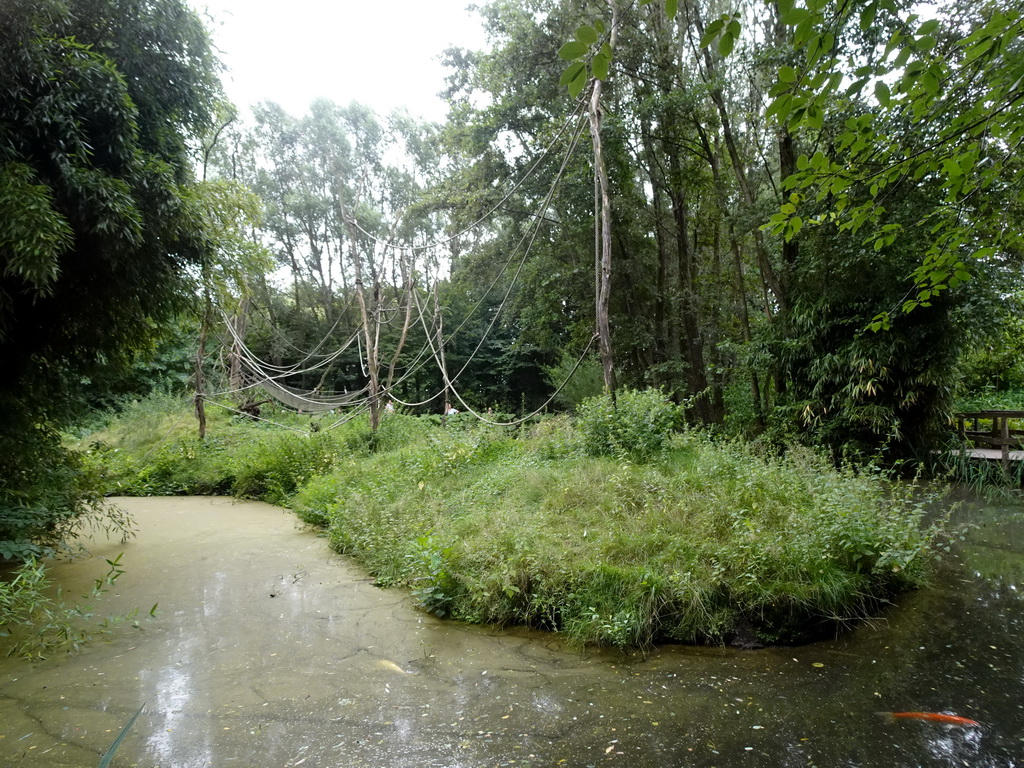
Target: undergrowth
623 535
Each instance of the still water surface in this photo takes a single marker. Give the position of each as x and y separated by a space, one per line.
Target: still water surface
268 650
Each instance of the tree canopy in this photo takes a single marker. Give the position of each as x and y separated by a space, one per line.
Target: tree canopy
99 102
100 99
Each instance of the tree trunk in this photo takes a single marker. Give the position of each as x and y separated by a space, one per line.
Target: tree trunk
768 273
604 334
370 330
200 356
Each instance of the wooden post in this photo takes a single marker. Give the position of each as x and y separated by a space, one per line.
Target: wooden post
1005 435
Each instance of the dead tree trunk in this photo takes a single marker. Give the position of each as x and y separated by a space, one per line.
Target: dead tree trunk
604 276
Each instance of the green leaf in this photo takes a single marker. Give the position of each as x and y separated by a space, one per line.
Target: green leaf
867 17
726 45
586 35
107 758
857 87
671 8
787 74
577 85
571 72
794 16
599 66
572 50
882 94
780 108
711 32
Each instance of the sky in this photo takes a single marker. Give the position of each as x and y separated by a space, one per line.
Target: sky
382 54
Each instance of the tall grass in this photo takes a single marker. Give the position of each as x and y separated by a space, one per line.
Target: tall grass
713 544
687 539
984 477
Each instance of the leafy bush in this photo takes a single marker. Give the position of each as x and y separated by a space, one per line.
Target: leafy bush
578 380
636 424
555 438
48 495
274 467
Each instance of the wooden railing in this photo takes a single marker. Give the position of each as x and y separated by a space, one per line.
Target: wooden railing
997 439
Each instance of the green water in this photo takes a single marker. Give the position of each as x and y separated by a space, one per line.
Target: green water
269 650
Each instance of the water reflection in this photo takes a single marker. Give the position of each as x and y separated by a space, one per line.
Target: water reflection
269 650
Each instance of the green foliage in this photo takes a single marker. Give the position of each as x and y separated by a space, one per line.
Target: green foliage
577 382
992 364
555 438
237 457
704 542
633 424
589 46
36 621
278 464
981 476
992 399
851 389
48 494
96 234
99 102
954 79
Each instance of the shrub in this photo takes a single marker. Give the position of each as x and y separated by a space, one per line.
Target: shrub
274 467
635 425
48 495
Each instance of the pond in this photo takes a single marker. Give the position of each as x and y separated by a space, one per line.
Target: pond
270 650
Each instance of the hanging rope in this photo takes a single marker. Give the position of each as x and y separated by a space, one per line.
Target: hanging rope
579 110
268 375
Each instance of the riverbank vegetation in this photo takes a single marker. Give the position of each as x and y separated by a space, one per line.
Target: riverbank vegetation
813 274
611 526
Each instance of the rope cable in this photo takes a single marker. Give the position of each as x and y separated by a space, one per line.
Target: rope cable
581 102
546 403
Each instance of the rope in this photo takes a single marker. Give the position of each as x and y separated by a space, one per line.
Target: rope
546 403
579 110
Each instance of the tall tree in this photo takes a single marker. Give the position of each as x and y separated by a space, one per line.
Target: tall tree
100 99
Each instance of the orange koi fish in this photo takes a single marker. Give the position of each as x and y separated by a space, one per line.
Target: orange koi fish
933 717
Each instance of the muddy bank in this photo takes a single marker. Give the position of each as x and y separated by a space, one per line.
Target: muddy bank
270 650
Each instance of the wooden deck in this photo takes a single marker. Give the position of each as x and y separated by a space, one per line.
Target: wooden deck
992 435
992 454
